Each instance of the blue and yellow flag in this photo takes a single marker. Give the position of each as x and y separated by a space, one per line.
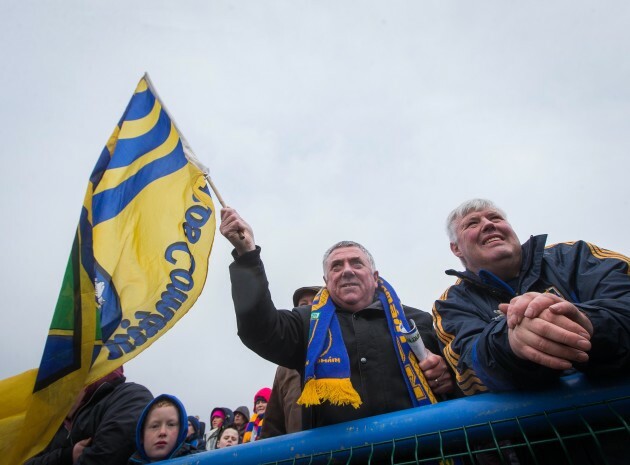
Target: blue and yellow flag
139 261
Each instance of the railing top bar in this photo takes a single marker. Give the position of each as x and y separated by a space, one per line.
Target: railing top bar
573 390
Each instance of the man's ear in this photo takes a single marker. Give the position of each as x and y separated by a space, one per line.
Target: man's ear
324 278
376 277
456 251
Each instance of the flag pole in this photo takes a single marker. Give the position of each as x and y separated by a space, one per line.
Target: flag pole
241 235
214 188
190 155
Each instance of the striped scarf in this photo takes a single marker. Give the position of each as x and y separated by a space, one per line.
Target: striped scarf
252 430
327 368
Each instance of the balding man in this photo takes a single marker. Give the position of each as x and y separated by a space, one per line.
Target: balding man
355 330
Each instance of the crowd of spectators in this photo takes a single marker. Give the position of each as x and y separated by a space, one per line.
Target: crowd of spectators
518 316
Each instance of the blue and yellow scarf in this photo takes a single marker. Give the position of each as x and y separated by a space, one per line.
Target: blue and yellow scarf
252 429
327 368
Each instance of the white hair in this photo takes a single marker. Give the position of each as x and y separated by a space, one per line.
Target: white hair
474 205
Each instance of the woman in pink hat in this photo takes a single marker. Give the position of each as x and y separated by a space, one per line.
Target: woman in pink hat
252 431
219 417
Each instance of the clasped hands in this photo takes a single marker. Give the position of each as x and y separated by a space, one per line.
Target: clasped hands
548 330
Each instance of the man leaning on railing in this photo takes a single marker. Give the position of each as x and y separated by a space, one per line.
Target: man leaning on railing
520 316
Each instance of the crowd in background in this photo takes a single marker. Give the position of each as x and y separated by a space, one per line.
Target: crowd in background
229 427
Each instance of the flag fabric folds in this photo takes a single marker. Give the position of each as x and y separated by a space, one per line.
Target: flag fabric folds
138 262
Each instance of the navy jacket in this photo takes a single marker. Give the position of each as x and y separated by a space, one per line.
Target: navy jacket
474 338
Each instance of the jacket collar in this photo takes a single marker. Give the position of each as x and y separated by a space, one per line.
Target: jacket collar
531 265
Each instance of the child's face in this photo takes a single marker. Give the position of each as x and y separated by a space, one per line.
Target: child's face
228 438
160 432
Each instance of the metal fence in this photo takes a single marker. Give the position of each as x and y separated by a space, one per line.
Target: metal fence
579 422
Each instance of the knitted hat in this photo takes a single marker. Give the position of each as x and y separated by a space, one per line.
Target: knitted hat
217 412
263 394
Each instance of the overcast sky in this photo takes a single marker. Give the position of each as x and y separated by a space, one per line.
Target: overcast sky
320 121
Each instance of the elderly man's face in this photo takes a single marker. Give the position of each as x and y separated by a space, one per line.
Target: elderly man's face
485 240
350 278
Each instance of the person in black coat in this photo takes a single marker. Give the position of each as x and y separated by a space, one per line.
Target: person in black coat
100 428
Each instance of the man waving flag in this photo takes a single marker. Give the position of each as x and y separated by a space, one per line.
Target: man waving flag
139 261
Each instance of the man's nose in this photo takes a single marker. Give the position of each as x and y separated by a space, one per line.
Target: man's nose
486 224
347 269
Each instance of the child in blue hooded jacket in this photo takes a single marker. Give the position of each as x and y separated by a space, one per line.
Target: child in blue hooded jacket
161 431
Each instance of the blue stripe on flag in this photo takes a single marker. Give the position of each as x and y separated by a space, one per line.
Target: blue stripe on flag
111 202
140 106
128 150
107 298
64 361
100 167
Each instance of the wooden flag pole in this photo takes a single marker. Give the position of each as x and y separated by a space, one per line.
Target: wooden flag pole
214 188
241 235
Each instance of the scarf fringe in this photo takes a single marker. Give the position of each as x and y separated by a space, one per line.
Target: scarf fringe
335 391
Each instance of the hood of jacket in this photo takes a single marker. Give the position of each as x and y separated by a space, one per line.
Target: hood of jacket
183 426
243 411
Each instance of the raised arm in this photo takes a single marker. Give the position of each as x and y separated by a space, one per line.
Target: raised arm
237 231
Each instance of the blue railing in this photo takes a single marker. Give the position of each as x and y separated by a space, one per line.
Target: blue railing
578 412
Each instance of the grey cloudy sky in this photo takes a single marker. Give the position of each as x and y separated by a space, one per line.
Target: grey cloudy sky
320 121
